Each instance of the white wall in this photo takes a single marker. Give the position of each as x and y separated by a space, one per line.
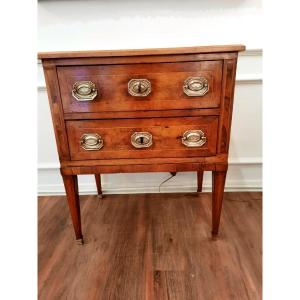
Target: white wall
86 25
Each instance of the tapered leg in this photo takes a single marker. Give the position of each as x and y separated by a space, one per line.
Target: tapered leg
71 186
98 184
199 181
218 181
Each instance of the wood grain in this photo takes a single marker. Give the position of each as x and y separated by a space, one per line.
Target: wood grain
147 59
136 168
220 158
71 187
56 110
138 52
166 79
144 114
229 73
218 183
166 134
151 246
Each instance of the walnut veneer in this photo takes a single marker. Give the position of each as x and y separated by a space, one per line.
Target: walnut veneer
151 110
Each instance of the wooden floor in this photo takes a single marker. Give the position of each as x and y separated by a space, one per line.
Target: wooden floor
151 246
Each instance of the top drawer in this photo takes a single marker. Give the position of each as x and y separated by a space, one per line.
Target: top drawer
135 87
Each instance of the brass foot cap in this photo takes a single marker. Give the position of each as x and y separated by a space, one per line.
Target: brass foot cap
100 196
80 242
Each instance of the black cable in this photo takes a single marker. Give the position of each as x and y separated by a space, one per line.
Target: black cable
173 174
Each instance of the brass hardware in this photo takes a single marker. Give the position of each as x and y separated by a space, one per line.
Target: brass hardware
193 138
139 87
141 139
84 91
91 141
195 86
80 242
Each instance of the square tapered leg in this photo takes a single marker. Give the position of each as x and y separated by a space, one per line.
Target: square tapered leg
71 186
98 184
218 181
199 181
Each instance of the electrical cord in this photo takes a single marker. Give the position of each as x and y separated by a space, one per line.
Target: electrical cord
173 174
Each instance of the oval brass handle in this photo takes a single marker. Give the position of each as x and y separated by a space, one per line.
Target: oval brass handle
141 139
84 91
195 86
193 138
91 141
139 87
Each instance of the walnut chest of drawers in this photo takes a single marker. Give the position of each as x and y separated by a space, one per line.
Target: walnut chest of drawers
152 110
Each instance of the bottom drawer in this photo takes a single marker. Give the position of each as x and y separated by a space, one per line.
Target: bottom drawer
143 138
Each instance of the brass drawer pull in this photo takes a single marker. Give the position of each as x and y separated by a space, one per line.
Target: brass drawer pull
194 138
84 91
141 139
139 87
195 86
91 141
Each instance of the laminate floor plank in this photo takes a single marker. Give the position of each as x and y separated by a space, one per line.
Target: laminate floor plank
151 246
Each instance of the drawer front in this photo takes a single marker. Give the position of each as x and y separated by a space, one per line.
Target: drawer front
135 87
143 138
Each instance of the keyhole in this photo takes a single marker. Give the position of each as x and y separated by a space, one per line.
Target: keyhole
140 87
141 140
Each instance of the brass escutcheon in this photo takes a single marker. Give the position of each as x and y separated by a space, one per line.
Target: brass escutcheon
141 139
139 87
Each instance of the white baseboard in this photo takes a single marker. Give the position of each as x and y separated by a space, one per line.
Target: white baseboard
89 189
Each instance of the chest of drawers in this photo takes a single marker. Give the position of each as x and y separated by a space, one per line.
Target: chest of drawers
152 110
